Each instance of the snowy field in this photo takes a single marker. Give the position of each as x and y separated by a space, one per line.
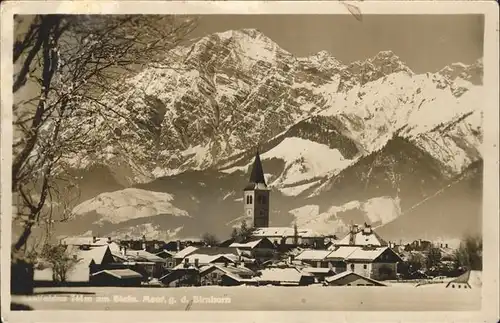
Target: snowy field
401 297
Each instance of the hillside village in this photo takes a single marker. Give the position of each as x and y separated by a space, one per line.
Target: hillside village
257 255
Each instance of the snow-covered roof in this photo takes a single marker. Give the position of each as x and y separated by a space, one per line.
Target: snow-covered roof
119 273
342 252
282 274
139 255
283 232
96 254
249 244
366 254
347 273
234 270
315 270
207 259
313 255
363 238
471 277
185 252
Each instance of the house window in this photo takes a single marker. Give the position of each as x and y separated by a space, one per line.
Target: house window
352 267
214 275
365 266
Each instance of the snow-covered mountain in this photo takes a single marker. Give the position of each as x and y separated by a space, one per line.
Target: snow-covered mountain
365 141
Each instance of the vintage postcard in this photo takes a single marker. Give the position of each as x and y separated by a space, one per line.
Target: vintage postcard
249 161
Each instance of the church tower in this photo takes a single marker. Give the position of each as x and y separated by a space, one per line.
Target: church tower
256 196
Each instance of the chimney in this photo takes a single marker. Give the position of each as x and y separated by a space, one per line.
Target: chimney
109 239
225 264
197 262
446 245
178 243
94 239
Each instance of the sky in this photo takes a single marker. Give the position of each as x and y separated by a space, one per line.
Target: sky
426 43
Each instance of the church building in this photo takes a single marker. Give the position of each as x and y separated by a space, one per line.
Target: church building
256 196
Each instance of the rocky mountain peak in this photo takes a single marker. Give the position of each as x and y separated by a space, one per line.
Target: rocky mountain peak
472 73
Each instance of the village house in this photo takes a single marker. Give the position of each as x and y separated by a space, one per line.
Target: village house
349 278
315 258
320 274
168 256
116 277
260 249
469 279
213 275
182 276
147 264
374 262
152 246
232 253
285 277
379 263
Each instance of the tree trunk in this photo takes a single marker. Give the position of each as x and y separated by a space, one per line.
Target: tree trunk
23 238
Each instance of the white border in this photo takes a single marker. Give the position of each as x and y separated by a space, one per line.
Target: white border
490 290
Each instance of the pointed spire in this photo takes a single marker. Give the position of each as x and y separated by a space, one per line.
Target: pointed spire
257 175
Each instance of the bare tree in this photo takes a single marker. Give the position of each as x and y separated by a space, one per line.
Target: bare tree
61 261
470 253
210 239
71 64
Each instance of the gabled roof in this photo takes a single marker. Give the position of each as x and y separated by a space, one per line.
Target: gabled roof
185 252
471 277
207 259
366 254
282 274
249 244
119 273
313 255
142 255
315 270
347 273
341 253
95 254
205 251
234 270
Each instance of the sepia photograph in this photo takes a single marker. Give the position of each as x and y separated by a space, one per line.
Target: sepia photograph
247 162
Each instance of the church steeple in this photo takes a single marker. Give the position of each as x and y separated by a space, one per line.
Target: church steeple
257 175
256 195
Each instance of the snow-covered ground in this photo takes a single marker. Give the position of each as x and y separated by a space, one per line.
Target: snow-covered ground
378 211
402 298
130 203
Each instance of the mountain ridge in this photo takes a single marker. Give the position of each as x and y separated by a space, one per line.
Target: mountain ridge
188 128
